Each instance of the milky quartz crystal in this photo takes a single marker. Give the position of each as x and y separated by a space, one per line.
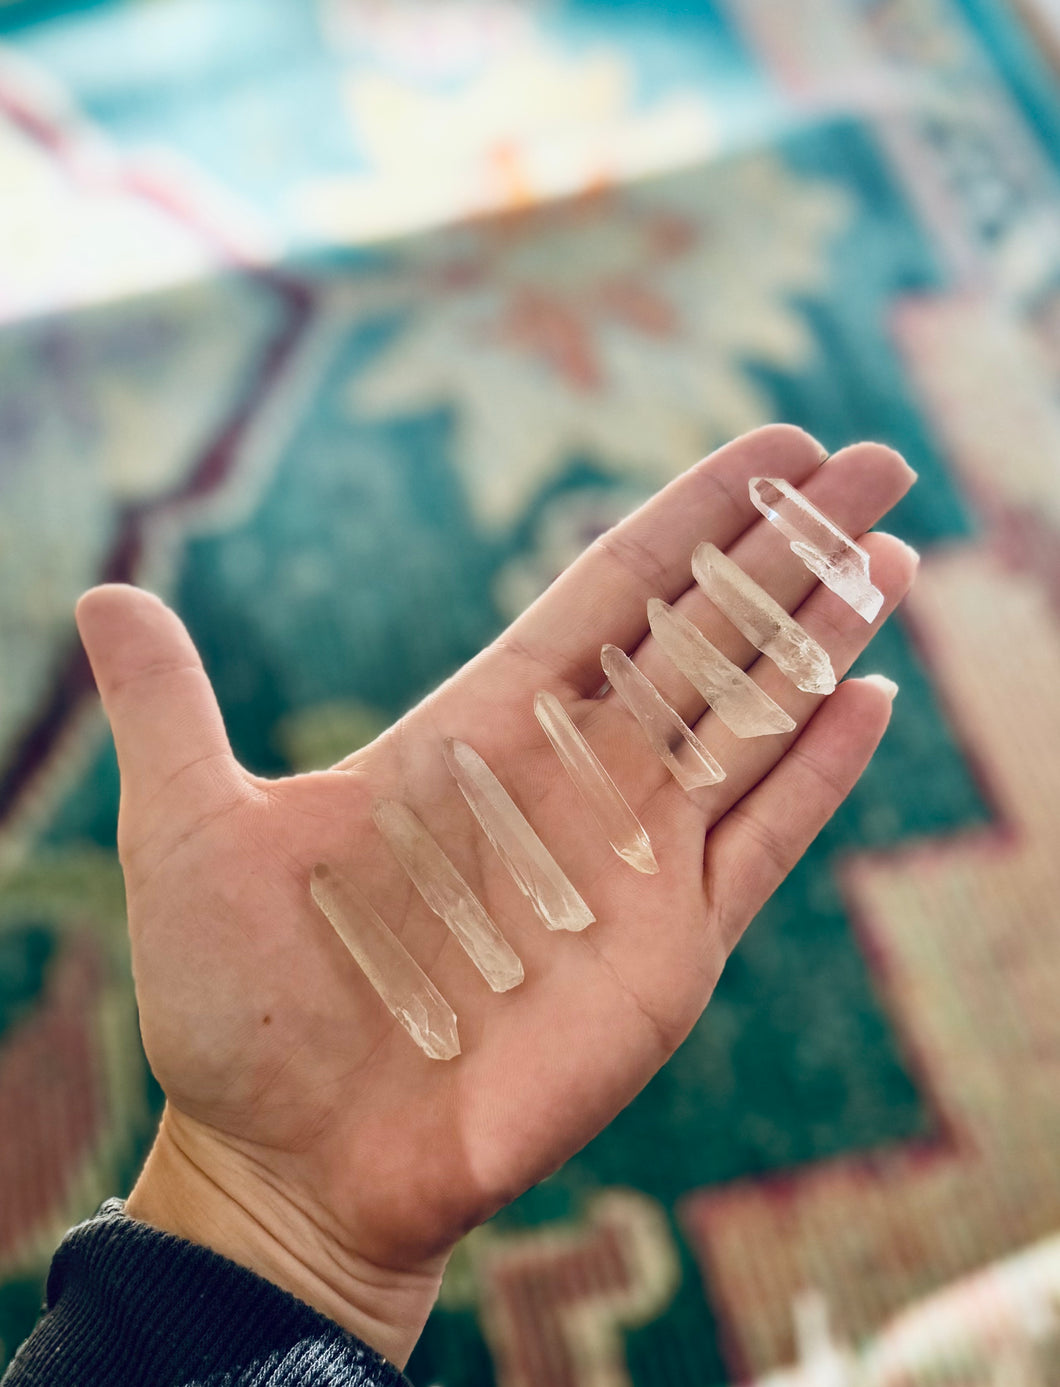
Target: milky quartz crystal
406 990
826 550
448 894
763 621
733 695
624 830
533 868
666 731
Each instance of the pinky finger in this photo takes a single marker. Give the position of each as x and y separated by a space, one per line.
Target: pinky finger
755 845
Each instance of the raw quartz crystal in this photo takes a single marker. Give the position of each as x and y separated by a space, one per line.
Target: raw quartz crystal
533 868
826 550
742 706
448 894
624 830
406 990
763 620
664 729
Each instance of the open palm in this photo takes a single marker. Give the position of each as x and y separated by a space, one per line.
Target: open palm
287 1081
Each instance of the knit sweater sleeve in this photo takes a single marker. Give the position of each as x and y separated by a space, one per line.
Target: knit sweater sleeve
130 1306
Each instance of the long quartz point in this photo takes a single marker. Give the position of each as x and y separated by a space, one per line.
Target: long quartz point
734 696
406 990
763 620
664 729
448 894
534 870
826 550
624 830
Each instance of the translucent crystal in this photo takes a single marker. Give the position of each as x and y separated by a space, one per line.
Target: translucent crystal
624 830
826 550
664 729
763 621
448 894
534 870
406 990
734 696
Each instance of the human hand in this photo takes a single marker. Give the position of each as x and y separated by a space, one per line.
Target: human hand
305 1135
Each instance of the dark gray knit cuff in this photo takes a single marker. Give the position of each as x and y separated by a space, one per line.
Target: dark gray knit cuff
129 1304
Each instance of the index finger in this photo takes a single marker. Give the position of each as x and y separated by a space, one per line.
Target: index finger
602 596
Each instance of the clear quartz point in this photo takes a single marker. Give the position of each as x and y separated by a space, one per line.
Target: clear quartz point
826 550
533 868
763 621
406 990
448 894
624 830
664 729
734 696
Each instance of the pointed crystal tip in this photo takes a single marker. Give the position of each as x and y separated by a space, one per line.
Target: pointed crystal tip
767 491
640 857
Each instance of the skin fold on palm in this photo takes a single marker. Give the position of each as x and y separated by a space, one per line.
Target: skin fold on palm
305 1135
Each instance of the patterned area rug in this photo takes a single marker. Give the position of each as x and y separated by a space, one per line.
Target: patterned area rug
344 325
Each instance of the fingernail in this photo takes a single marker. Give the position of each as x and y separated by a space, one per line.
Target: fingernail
889 687
904 543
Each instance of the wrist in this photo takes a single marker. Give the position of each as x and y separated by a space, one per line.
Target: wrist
195 1186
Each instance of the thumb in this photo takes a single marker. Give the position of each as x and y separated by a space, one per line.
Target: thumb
160 704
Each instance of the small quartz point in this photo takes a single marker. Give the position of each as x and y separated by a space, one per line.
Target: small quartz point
448 894
534 870
624 830
763 621
664 728
406 990
734 695
826 550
